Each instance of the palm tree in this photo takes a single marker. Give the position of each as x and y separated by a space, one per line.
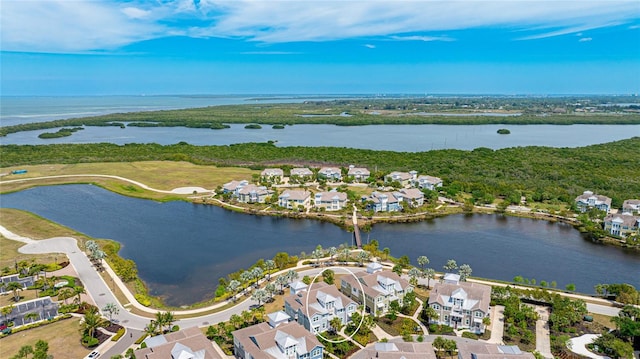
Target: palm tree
270 289
345 254
282 281
464 272
451 265
317 254
168 320
386 252
14 287
259 295
91 322
151 328
269 265
247 316
257 273
65 293
236 320
414 273
430 314
232 287
362 256
246 276
423 261
111 309
160 321
78 291
6 311
31 316
292 275
332 251
430 274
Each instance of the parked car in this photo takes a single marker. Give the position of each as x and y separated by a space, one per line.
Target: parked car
93 355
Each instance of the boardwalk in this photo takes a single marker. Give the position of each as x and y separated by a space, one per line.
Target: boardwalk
356 230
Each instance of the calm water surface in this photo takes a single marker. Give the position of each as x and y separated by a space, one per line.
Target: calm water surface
181 249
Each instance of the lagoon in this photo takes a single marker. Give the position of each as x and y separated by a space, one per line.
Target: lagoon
403 138
181 249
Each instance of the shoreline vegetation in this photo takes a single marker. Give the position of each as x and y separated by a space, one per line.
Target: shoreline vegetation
361 112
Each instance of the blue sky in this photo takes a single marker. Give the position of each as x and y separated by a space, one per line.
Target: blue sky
67 47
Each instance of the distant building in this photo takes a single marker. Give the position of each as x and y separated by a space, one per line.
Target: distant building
621 225
404 178
301 175
460 305
631 206
396 349
276 340
272 175
315 308
333 174
480 350
381 287
331 201
359 174
292 199
588 200
413 197
234 187
428 182
188 343
254 194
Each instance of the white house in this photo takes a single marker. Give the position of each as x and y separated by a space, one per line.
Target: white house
631 206
272 175
330 173
428 182
331 201
621 225
292 199
314 307
358 174
282 341
588 200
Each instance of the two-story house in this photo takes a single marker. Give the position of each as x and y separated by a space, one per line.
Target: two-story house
234 187
274 175
621 225
404 178
293 199
413 197
460 304
358 174
330 201
186 343
276 340
396 349
332 174
315 307
480 350
588 200
384 201
631 206
300 175
254 194
428 182
381 287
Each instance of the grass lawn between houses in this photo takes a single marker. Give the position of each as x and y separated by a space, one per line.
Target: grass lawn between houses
63 338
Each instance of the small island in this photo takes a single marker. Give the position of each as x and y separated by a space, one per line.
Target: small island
253 126
504 131
63 132
278 127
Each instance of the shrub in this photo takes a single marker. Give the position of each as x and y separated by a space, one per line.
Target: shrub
469 335
89 342
175 328
141 339
118 335
143 299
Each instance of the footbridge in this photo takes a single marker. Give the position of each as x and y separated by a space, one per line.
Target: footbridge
356 229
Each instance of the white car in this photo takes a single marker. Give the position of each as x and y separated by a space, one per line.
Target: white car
93 355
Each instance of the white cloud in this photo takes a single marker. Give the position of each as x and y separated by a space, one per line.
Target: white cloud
68 26
585 39
421 38
370 46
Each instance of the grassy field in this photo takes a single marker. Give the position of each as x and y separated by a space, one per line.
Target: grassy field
63 338
163 175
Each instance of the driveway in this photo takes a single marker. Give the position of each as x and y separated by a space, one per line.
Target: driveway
497 325
543 341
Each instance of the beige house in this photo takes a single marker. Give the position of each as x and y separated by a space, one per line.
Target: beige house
481 350
381 287
621 225
396 349
330 201
413 197
631 206
358 174
276 340
461 305
314 308
428 182
301 175
589 200
254 194
293 199
272 175
333 174
187 343
404 178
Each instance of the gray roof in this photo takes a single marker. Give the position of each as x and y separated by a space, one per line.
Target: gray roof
303 171
396 349
626 220
599 199
330 196
261 341
479 350
295 195
476 296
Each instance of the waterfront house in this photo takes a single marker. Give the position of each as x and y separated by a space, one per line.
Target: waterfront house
381 287
315 307
333 174
461 305
413 197
188 343
384 201
300 175
276 340
293 199
621 225
358 174
234 187
404 178
330 201
273 175
589 200
428 182
482 350
396 349
253 194
631 206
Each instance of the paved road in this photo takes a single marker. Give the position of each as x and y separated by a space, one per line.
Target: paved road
543 341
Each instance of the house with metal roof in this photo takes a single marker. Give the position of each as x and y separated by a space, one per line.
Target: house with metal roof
188 343
359 174
333 174
481 350
428 182
621 225
272 175
460 305
280 341
330 201
314 307
631 206
396 349
588 200
293 199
